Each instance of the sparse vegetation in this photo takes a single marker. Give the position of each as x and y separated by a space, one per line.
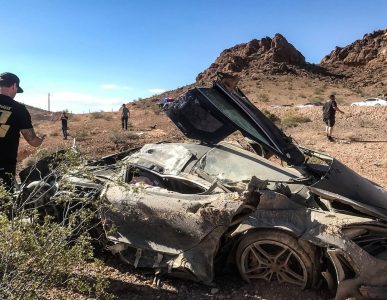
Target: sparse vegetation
317 99
82 135
271 116
123 140
40 249
359 92
263 98
319 90
293 119
308 83
101 115
341 101
38 155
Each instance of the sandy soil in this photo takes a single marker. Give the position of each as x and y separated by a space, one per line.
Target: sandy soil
361 144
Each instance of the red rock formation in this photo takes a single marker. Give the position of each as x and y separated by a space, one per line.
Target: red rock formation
370 50
259 53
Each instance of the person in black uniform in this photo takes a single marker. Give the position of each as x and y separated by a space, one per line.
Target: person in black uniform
64 119
14 118
124 116
329 115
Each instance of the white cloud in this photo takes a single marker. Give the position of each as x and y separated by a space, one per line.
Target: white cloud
109 86
156 91
73 101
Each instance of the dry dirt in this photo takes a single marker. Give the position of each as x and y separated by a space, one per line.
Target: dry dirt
361 144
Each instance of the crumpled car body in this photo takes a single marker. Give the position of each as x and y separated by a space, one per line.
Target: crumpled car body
180 208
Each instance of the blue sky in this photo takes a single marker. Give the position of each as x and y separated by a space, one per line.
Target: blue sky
96 55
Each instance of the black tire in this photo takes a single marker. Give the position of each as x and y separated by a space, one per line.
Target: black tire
275 255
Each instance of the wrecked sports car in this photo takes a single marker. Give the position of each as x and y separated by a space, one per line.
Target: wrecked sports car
184 209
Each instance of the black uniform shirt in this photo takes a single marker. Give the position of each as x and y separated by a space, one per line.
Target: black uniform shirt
13 117
64 121
329 109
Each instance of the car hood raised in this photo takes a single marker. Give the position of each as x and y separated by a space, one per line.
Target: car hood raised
212 114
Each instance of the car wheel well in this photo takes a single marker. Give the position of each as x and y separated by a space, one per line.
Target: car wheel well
304 252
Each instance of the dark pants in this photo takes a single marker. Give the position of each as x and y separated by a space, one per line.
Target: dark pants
7 176
64 131
124 122
329 121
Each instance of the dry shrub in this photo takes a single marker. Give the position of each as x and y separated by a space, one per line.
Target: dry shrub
293 119
317 99
263 98
271 116
38 155
319 90
352 136
123 139
101 115
74 118
82 135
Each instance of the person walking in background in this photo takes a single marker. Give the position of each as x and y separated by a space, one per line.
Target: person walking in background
14 118
124 116
329 114
64 118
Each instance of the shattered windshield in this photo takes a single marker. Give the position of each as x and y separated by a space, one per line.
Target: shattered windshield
230 165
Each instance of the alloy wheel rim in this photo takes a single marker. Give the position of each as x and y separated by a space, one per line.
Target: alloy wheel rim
270 261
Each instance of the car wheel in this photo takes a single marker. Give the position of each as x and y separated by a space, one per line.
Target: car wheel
274 255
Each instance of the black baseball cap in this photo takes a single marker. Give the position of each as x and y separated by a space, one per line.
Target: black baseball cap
8 79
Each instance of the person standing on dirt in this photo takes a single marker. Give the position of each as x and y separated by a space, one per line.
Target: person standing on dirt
14 118
124 116
64 118
329 114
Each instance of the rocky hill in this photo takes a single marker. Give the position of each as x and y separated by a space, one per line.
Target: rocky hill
363 63
369 51
353 72
275 55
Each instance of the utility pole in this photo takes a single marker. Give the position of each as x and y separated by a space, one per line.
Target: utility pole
48 102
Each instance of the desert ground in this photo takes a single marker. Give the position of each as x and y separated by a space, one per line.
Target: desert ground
361 143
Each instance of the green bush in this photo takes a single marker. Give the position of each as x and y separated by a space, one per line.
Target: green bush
317 99
41 249
271 116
